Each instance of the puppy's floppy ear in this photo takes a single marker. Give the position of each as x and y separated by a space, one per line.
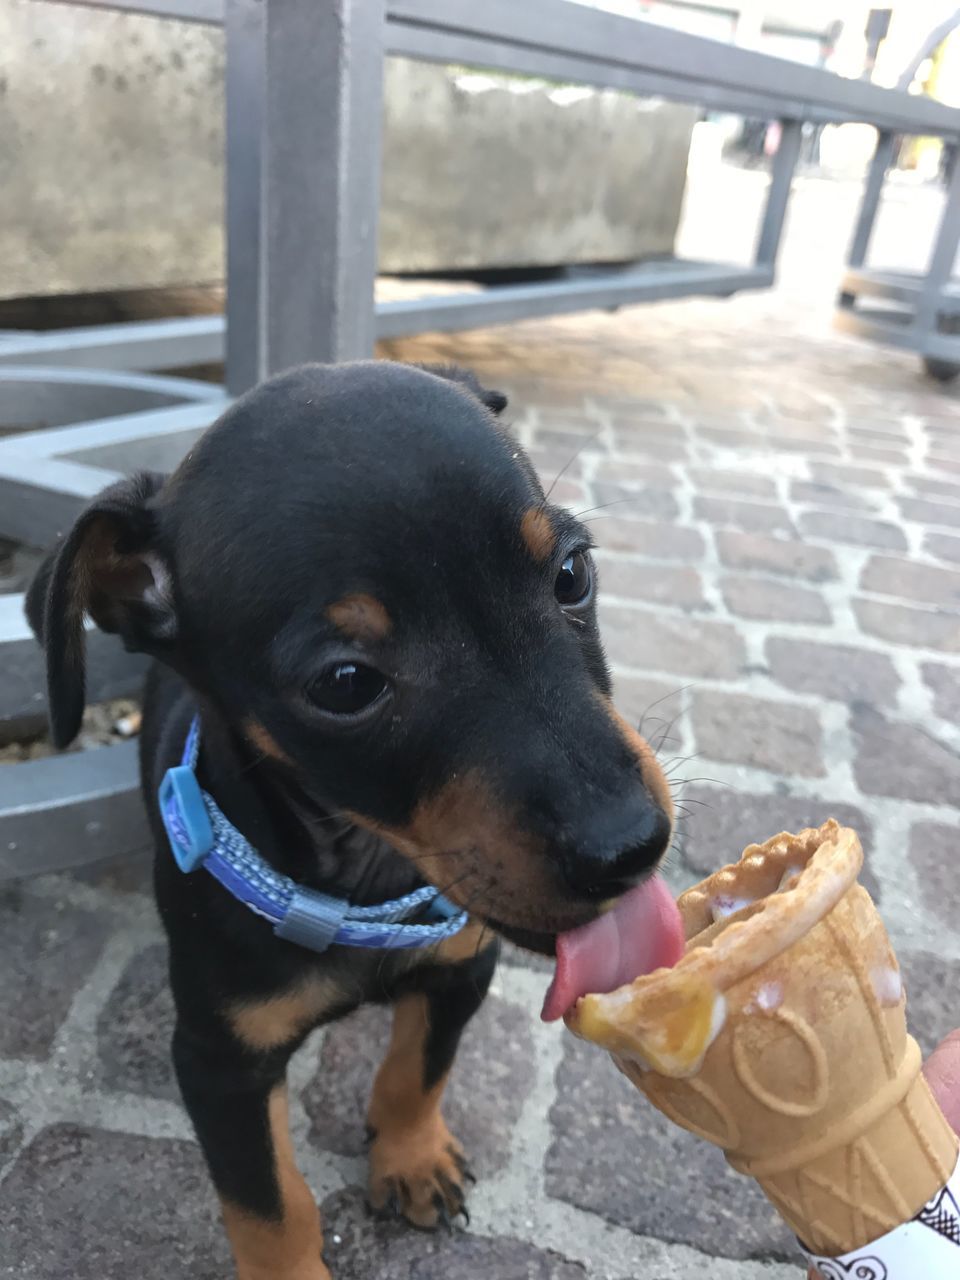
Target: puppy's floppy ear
108 566
495 401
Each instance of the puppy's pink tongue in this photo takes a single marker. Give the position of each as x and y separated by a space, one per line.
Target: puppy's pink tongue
641 933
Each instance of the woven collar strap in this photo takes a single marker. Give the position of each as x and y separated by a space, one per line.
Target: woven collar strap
200 836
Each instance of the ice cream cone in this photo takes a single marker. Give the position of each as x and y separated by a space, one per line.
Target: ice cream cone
781 1037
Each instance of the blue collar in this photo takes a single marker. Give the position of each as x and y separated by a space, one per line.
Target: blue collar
200 835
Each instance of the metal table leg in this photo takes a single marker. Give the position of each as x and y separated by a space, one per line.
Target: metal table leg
784 166
928 321
869 206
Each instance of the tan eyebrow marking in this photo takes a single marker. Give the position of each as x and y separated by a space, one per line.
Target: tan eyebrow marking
538 533
361 617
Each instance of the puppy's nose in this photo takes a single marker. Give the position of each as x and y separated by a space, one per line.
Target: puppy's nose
599 873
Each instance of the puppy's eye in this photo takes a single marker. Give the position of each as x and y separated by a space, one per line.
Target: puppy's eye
345 688
574 581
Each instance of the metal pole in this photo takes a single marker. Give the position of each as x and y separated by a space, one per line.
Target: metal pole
942 258
781 179
304 103
872 191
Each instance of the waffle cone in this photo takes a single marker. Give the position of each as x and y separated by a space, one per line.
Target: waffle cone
781 1037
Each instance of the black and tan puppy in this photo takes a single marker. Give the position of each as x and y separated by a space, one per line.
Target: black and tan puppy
389 635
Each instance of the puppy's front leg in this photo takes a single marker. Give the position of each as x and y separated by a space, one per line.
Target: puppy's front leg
417 1167
237 1101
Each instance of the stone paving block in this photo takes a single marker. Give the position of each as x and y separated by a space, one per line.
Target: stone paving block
637 411
659 541
849 478
752 517
945 464
918 628
550 462
931 982
566 412
85 1204
571 494
807 432
837 671
782 556
614 1155
637 475
741 483
651 584
783 402
582 439
359 1246
813 494
945 683
47 950
944 546
135 1027
926 512
903 761
875 431
857 530
722 821
939 428
666 642
635 503
930 487
649 705
807 447
873 453
923 583
779 736
941 462
760 599
489 1084
729 437
638 444
11 1133
935 854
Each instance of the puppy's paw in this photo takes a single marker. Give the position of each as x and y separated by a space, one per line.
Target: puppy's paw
419 1175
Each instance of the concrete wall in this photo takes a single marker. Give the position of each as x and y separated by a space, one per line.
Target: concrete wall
111 143
111 137
494 171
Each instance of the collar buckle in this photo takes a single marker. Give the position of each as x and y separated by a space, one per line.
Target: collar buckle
185 817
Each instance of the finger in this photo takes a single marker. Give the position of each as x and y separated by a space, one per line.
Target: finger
943 1075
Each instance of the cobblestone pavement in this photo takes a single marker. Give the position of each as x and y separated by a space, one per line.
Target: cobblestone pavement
778 516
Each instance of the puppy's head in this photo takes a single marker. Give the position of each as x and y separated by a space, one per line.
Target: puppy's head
357 566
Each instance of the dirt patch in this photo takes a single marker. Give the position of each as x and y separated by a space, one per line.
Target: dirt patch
104 725
18 564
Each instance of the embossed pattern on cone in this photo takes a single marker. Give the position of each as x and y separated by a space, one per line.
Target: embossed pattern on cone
808 1079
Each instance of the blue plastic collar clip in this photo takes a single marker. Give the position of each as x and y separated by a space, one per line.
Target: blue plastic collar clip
185 817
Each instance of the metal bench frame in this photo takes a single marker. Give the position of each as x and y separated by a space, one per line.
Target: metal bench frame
302 208
917 312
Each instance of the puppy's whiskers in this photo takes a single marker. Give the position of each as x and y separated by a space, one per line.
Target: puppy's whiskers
674 693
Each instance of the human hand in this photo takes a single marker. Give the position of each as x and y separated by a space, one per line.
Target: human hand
943 1076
